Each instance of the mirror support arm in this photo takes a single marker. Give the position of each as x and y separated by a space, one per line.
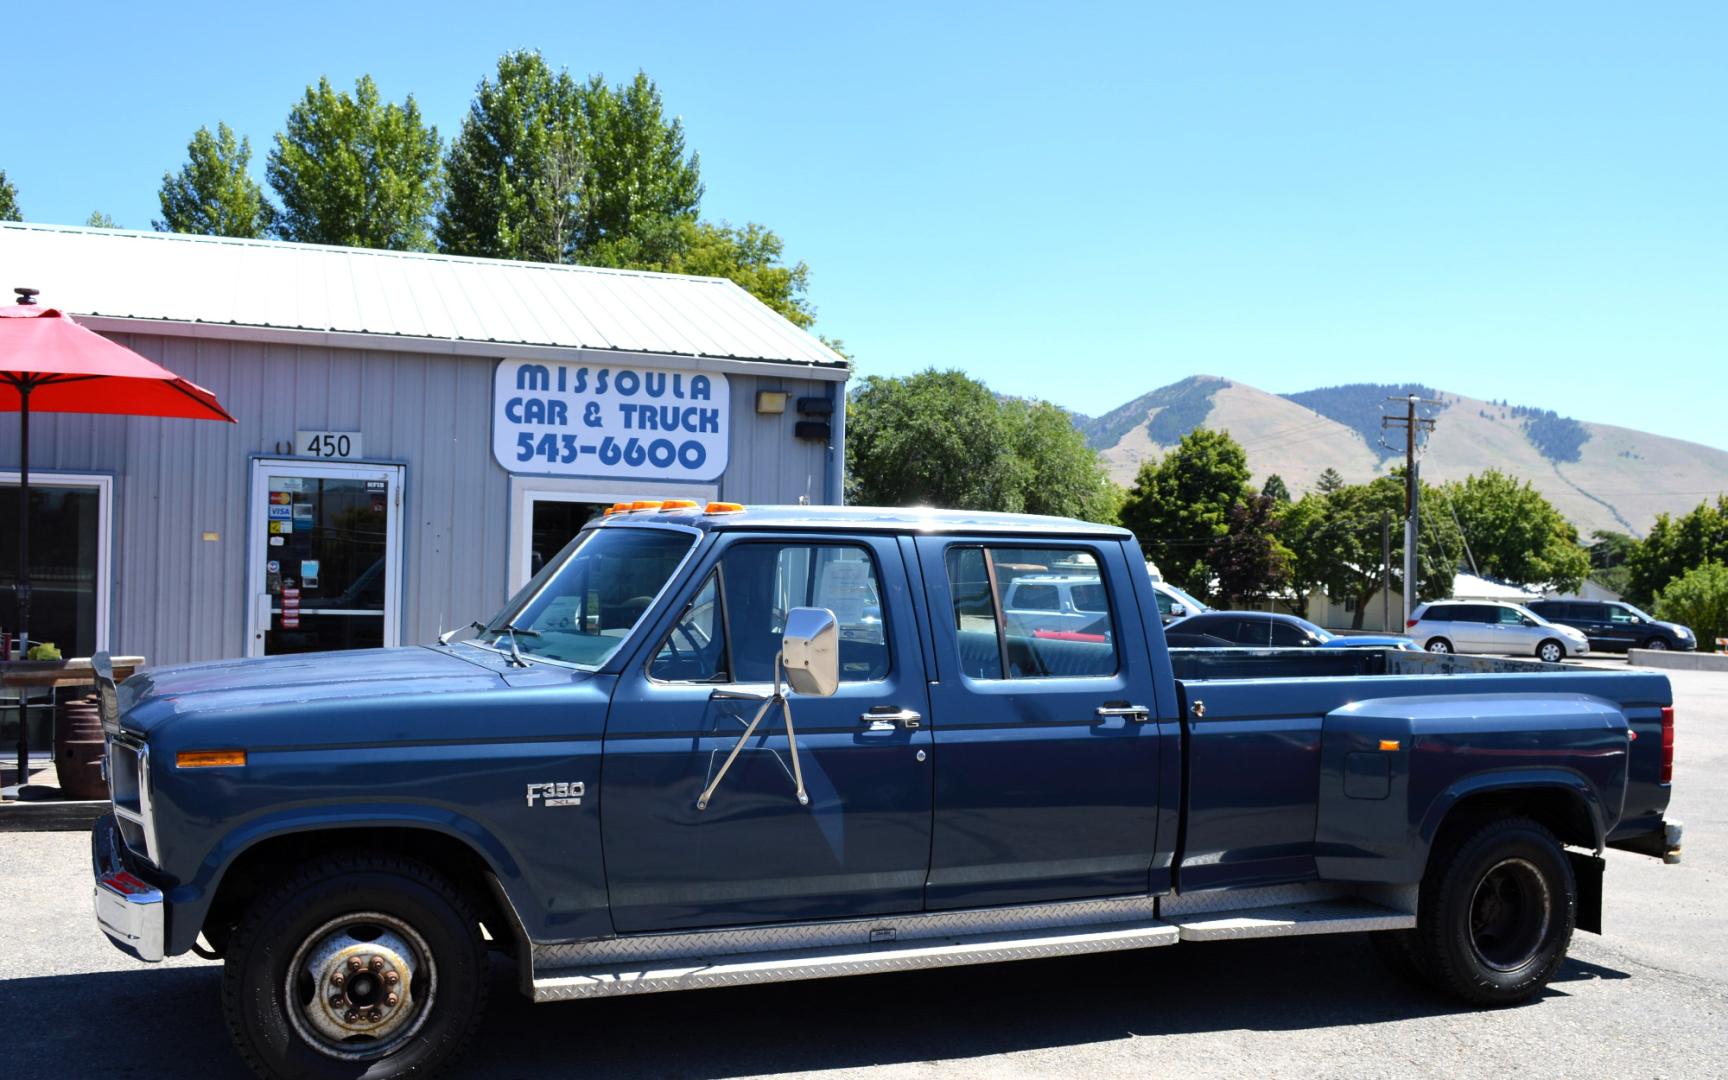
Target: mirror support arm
778 697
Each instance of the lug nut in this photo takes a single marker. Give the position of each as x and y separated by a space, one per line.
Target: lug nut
336 1000
391 977
389 999
337 979
352 1016
354 963
375 1017
377 963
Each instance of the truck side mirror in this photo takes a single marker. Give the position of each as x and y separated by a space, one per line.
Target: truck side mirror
810 651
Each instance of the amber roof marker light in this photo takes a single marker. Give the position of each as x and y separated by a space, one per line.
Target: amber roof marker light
724 508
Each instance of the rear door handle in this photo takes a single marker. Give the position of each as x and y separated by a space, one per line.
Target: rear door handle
892 714
1137 713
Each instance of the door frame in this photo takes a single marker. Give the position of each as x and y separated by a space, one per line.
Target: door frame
103 483
525 491
257 544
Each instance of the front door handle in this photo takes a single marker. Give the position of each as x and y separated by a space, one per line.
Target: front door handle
1137 713
892 714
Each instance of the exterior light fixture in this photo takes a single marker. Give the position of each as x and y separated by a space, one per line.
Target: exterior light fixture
771 402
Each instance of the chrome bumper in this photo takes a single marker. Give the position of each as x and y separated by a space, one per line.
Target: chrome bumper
128 909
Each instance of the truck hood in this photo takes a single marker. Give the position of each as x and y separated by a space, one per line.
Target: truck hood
312 683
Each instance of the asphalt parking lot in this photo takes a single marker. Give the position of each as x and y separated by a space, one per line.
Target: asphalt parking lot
1648 999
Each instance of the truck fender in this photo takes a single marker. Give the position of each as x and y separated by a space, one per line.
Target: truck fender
1578 790
190 902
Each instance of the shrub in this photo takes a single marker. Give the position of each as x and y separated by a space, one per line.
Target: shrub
1698 599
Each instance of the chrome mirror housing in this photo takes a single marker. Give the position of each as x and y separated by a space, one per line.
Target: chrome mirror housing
810 651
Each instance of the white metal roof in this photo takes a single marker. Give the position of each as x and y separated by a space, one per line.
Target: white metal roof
391 299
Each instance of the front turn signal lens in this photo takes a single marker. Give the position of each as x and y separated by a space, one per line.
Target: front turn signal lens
1388 744
208 759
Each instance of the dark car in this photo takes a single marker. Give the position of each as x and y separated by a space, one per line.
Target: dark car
1616 626
1268 630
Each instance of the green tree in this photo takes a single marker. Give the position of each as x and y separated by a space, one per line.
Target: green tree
1609 551
1698 599
1179 505
1676 546
750 256
1058 473
1514 533
516 170
8 200
212 194
937 438
1275 489
1336 544
1330 481
1248 559
640 187
355 171
99 220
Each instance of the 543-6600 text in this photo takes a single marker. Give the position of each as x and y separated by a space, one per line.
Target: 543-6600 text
564 448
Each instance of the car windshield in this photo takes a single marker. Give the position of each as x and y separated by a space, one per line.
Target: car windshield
1194 606
1630 610
580 608
1319 632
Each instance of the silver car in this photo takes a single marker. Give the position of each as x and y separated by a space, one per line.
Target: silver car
1473 626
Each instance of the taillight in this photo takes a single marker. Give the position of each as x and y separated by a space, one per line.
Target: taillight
1410 624
1668 744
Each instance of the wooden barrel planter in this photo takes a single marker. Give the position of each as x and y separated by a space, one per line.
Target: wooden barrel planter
78 747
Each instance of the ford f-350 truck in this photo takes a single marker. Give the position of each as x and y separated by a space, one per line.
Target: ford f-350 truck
708 746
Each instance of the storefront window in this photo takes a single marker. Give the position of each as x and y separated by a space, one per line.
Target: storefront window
66 575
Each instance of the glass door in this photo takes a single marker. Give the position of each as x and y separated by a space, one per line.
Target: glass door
324 567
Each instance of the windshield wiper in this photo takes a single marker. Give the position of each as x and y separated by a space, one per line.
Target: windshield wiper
444 638
515 650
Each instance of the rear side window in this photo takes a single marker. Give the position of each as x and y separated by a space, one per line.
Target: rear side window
1025 640
1036 598
1438 613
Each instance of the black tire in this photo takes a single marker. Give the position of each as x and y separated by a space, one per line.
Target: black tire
1550 651
1497 910
1657 644
443 994
1438 645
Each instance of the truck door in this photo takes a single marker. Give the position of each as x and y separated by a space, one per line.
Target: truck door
754 854
1047 750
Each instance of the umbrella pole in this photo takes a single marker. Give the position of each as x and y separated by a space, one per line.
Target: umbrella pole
24 521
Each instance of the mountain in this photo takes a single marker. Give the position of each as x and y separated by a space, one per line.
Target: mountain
1599 475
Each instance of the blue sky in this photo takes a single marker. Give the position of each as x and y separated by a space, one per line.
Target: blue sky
1073 201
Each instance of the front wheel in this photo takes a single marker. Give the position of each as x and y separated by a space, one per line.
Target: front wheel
1656 644
1496 913
355 966
1550 652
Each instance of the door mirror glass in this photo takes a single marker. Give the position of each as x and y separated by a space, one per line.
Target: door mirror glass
810 651
1177 611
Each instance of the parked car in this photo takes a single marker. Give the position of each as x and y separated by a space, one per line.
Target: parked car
614 793
1270 630
1474 626
1616 626
1174 603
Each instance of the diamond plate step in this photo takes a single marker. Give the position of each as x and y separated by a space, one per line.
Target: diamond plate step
1322 917
695 974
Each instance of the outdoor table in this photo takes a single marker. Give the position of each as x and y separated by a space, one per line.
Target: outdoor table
26 674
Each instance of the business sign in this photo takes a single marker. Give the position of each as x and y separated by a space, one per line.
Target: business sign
609 421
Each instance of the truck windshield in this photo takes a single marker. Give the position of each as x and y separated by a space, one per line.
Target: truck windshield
581 606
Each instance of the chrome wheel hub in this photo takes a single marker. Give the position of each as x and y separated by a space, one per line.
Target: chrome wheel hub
360 986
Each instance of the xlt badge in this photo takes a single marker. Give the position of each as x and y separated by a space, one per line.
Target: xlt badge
557 794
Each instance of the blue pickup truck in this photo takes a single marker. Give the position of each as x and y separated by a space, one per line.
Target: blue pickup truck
708 746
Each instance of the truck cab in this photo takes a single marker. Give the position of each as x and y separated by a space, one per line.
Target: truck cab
713 745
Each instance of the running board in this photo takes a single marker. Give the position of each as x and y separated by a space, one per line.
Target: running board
695 974
723 969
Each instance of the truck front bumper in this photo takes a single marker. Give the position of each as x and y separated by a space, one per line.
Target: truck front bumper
129 909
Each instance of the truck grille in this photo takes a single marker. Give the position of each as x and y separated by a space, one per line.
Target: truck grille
129 786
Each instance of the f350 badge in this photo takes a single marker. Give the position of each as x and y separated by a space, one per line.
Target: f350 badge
557 794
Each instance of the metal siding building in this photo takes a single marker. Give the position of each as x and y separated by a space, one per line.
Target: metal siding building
405 351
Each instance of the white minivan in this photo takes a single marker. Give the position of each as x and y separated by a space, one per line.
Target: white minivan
1475 626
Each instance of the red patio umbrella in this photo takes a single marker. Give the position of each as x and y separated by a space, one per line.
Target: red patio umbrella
48 363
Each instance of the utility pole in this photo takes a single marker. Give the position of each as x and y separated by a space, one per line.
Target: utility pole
1412 425
1385 571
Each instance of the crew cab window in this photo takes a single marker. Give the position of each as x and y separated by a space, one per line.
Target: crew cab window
730 631
1018 640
